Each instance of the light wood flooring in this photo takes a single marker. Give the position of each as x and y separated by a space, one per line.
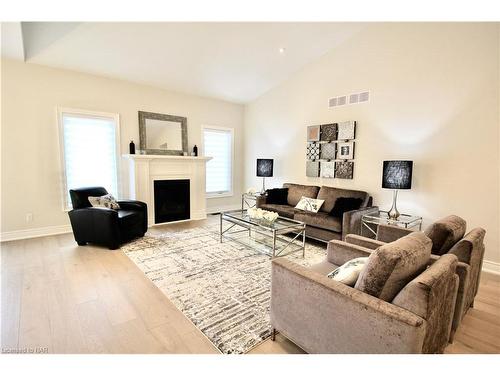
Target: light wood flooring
57 297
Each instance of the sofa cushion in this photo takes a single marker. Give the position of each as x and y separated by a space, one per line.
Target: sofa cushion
330 194
345 205
277 196
445 233
295 192
320 220
282 209
393 265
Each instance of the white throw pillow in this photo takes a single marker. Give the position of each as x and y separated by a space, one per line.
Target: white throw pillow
107 201
309 204
348 273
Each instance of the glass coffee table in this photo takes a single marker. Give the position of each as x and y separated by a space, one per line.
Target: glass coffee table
263 236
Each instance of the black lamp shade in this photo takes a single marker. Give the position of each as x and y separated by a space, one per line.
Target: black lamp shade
264 167
397 174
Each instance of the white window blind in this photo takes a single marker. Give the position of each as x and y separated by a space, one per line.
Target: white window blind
218 144
89 152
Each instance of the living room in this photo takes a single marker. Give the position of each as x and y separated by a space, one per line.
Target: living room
251 165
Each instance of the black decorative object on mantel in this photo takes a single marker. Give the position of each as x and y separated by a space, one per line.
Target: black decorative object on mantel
396 175
132 148
195 150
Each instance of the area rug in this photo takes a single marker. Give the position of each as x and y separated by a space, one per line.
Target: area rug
224 289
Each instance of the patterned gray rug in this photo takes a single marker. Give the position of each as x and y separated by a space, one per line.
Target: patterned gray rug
224 289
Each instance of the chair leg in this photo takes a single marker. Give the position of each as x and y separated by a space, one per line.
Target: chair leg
273 334
472 304
452 336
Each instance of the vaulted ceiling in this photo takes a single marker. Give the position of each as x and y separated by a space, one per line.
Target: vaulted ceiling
231 61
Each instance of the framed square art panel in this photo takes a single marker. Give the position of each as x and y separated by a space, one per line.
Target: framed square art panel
347 130
328 151
327 169
345 151
313 133
344 169
312 168
329 132
313 150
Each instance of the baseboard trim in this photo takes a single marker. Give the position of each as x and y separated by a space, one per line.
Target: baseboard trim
216 210
35 232
491 267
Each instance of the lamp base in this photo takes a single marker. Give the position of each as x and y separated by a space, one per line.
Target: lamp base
393 212
263 186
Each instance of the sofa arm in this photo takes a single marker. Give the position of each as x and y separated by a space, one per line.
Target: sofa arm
351 221
136 206
391 233
463 273
260 200
339 252
324 316
369 243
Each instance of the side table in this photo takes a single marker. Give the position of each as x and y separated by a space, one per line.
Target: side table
249 200
370 222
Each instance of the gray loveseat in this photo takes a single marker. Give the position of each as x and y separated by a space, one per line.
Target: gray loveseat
321 225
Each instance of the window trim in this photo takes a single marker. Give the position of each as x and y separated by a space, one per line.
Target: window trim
66 205
229 193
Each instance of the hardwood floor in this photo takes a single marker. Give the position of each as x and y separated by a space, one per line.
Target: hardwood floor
58 297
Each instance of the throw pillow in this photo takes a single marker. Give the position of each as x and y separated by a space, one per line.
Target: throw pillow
348 272
345 205
393 265
309 204
107 201
277 196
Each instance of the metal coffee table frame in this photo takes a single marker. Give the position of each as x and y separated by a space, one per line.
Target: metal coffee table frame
282 225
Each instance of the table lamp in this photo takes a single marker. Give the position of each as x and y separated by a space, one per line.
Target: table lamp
396 175
264 169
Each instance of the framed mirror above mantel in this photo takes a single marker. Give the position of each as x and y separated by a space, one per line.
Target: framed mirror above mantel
162 134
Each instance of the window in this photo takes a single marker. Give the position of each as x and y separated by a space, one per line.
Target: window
89 150
218 144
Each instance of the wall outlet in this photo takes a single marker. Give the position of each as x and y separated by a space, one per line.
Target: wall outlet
29 217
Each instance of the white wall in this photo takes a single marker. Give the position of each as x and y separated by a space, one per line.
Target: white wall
31 173
434 100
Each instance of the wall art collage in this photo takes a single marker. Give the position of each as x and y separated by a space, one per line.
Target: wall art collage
330 150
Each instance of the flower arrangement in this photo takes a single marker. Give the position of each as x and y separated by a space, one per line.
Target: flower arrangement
260 214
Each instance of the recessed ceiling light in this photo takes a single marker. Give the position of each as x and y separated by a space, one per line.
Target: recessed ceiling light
282 50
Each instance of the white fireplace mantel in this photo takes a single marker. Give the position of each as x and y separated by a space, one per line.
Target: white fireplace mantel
145 169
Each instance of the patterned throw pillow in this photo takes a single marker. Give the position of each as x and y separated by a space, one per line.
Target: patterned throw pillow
309 204
107 201
348 273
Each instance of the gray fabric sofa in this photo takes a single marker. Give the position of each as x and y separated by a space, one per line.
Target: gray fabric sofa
321 225
322 315
448 237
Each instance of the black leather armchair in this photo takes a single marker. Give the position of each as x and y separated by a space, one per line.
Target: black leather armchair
105 226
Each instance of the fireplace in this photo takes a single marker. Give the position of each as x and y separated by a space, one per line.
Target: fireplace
171 200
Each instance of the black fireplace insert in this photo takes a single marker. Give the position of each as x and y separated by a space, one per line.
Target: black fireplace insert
171 200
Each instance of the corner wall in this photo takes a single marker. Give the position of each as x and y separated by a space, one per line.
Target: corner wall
434 100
